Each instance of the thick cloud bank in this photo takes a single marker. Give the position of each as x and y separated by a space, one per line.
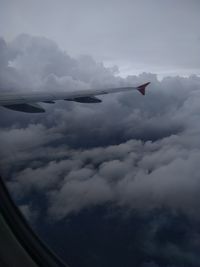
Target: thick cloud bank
130 151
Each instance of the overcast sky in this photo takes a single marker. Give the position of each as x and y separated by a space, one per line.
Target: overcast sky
147 35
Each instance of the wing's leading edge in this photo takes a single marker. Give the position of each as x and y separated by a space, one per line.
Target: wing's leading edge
27 102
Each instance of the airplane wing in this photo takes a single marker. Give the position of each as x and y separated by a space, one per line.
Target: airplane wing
28 102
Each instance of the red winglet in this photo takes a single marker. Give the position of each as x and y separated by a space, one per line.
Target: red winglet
142 88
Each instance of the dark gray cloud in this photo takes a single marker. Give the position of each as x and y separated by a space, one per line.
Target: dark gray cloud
77 164
159 238
132 151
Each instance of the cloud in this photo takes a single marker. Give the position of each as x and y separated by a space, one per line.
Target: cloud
136 156
138 34
135 175
130 151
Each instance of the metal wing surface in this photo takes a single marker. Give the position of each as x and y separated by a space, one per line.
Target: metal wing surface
28 102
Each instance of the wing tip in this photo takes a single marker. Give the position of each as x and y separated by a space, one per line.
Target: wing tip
142 88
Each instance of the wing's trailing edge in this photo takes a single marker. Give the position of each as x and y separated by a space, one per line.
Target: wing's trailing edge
27 102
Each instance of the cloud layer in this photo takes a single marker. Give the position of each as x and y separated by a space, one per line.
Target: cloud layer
130 151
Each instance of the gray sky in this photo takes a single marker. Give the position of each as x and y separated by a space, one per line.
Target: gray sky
154 36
